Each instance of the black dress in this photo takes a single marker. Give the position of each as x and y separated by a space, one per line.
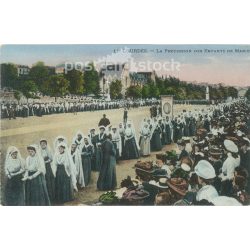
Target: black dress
63 185
36 193
14 191
50 181
107 176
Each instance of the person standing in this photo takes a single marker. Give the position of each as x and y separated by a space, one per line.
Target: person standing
125 115
36 193
104 121
156 143
49 176
99 139
107 177
76 157
65 171
145 140
14 169
228 167
86 151
131 147
116 139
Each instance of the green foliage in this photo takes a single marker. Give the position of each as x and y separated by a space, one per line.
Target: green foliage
233 92
134 92
247 94
145 91
75 78
91 80
28 88
39 73
17 95
57 86
8 75
115 89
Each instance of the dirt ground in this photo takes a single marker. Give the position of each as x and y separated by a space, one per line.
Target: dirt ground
24 131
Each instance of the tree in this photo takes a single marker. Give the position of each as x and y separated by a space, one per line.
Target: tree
75 78
145 91
57 86
115 89
9 75
153 90
29 89
91 80
233 92
134 91
39 73
17 95
247 94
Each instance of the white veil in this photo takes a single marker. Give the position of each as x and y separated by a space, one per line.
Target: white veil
67 161
9 160
38 158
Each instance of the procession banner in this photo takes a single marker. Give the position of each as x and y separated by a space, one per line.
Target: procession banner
167 102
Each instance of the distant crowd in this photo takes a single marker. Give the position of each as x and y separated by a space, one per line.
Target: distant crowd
13 110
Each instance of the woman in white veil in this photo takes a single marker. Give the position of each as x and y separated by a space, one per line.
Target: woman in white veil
86 151
65 170
76 157
36 193
14 169
145 139
116 139
78 138
131 147
59 139
47 155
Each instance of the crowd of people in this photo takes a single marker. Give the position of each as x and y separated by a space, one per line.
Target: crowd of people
13 110
212 148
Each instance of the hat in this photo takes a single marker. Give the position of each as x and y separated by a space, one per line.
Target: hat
225 201
215 151
185 167
102 127
230 146
205 170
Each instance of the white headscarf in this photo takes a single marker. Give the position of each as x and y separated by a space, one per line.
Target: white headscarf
56 141
66 160
130 131
78 165
36 162
116 138
47 151
75 138
13 165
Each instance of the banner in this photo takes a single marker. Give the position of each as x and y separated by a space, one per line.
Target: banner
167 102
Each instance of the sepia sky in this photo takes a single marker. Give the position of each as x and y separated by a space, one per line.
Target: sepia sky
227 64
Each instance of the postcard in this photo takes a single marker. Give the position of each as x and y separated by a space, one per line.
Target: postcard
125 125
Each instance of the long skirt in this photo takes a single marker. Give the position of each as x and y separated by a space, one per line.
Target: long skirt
98 159
63 186
14 191
50 182
36 193
145 146
86 167
107 177
130 149
156 142
163 138
168 135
